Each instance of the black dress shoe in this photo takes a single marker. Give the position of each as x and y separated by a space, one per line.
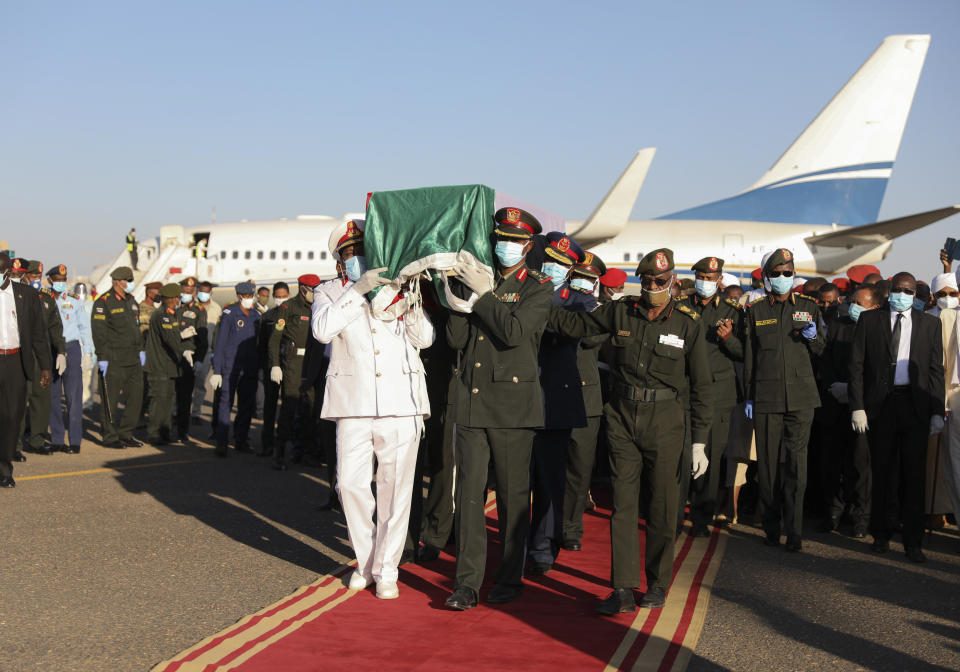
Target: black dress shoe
41 450
19 457
407 557
859 531
463 598
156 441
620 601
7 482
243 447
880 545
572 545
60 448
915 555
428 553
280 466
73 450
829 524
114 444
539 568
771 540
794 544
297 458
130 442
332 504
654 598
265 452
220 451
700 530
501 594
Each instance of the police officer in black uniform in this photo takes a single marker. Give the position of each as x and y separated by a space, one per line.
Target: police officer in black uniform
499 404
783 330
660 358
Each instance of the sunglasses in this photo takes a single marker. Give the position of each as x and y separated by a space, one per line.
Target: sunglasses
777 274
650 282
903 290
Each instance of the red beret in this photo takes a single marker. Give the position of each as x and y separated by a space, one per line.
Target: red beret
308 280
860 271
841 283
613 278
757 274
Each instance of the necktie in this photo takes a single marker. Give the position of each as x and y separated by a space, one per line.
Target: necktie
895 345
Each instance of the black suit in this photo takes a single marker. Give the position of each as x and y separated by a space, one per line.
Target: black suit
16 369
898 416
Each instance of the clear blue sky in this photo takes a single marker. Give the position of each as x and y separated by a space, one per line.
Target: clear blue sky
116 114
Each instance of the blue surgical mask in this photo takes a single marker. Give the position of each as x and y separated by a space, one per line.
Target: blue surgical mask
705 288
59 287
582 283
557 272
855 310
203 297
186 298
355 267
781 284
130 285
900 301
509 253
919 304
35 284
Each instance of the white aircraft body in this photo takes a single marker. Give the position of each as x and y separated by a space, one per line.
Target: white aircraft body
820 199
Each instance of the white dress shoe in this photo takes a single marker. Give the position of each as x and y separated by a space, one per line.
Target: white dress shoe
358 581
387 590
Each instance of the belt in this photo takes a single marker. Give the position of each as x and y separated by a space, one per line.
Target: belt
901 389
644 393
11 351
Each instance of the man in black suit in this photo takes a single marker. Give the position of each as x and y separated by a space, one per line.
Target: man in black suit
23 337
896 395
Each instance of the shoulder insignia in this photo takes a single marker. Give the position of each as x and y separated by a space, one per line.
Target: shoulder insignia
73 296
804 296
522 274
733 303
226 311
539 277
564 293
104 297
200 306
46 292
756 301
686 310
280 324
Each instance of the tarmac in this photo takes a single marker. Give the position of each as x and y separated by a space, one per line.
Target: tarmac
118 559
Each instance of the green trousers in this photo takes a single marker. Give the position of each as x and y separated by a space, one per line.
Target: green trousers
129 381
704 495
163 395
580 457
782 468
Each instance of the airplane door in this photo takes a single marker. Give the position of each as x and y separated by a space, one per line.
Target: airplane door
733 252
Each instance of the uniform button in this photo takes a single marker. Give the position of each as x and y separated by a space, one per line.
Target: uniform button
583 382
475 390
516 380
456 372
480 338
376 352
373 331
477 365
378 374
565 386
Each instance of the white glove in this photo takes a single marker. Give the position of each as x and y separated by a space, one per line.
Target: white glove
188 355
216 380
276 374
839 392
371 279
61 364
479 282
936 424
748 410
86 363
187 333
858 420
700 461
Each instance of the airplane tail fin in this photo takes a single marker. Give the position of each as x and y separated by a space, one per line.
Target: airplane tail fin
836 172
610 216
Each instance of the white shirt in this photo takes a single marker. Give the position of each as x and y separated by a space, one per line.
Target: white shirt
902 374
9 332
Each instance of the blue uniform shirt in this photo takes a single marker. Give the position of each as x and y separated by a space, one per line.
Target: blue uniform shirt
236 345
76 321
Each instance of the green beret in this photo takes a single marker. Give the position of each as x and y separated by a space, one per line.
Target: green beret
779 256
34 266
171 290
656 262
708 265
122 273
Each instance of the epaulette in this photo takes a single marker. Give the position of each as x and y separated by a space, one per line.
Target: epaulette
103 297
200 306
735 304
73 296
804 296
46 292
756 301
540 277
686 310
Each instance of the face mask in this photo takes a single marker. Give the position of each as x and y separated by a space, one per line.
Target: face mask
247 303
557 272
706 288
308 296
14 279
781 285
616 296
508 254
130 285
855 310
658 297
60 287
203 296
900 301
153 298
355 267
35 284
945 302
280 302
582 283
4 277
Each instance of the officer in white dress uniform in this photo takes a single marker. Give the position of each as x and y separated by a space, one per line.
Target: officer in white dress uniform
377 394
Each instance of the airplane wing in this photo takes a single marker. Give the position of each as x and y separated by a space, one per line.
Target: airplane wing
611 215
880 232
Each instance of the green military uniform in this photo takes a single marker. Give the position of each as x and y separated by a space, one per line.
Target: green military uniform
286 349
164 364
116 335
783 391
721 355
656 363
194 315
499 403
39 397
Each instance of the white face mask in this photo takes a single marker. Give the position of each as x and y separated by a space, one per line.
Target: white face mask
948 302
247 304
280 302
616 296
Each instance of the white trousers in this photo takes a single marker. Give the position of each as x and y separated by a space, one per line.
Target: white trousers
950 449
394 442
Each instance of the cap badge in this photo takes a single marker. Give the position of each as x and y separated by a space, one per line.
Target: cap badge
513 216
786 255
16 265
661 262
713 264
61 269
563 244
41 266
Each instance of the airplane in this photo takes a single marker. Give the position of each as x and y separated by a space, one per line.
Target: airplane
820 199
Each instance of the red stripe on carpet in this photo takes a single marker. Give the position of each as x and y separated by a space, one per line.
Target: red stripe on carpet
553 625
690 606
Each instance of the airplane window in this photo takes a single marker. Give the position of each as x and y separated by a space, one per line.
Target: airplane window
246 255
297 255
310 254
259 254
626 256
236 254
323 255
273 254
223 254
286 255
